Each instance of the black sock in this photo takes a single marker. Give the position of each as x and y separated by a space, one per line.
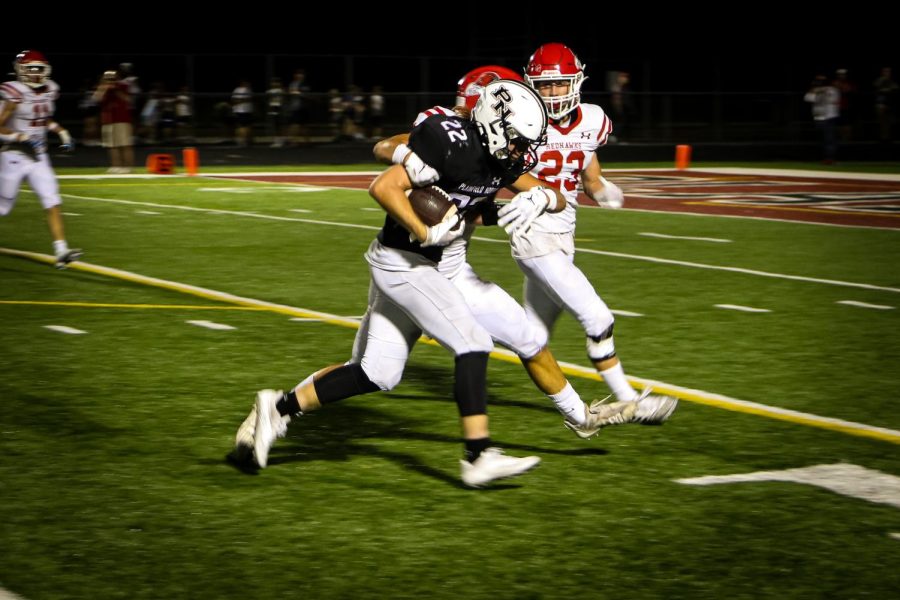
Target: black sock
288 405
474 448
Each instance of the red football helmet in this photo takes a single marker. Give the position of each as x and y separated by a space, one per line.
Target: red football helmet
468 89
556 62
32 68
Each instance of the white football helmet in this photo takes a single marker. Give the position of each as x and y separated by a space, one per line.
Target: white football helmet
512 121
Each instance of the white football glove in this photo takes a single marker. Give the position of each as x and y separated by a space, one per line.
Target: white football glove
419 173
451 228
611 196
525 207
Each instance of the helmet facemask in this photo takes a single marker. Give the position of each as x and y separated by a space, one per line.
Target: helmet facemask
32 68
559 106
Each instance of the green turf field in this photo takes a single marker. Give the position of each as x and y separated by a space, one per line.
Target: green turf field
112 442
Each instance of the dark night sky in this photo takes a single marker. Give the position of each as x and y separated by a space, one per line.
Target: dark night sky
747 47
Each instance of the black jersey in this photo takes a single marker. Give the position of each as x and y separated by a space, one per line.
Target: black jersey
451 146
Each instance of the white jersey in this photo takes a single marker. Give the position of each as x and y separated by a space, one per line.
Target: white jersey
568 151
34 107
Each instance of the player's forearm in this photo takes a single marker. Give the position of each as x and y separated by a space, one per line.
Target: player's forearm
389 191
384 150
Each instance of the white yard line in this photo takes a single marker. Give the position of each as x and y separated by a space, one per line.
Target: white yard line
651 259
64 329
865 305
748 309
691 395
683 237
211 325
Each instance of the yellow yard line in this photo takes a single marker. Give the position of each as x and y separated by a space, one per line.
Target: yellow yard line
144 306
686 394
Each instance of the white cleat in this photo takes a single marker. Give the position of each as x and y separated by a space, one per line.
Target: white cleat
607 413
653 409
244 436
63 260
646 409
269 425
493 464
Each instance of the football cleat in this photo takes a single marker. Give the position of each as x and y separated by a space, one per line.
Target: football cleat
493 464
270 425
646 409
607 413
654 409
63 260
244 436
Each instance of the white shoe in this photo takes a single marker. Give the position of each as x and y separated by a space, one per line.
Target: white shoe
492 464
653 409
607 413
269 425
244 436
63 260
646 409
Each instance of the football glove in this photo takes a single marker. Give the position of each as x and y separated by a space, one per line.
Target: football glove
517 216
611 196
419 173
451 228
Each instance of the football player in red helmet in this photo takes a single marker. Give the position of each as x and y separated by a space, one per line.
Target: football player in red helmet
27 105
32 68
545 253
468 88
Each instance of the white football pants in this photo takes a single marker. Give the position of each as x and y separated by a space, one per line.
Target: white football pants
554 283
16 166
493 308
404 304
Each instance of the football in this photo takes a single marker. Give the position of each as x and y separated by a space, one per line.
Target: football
430 204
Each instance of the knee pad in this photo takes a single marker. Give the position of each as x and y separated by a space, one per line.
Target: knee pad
601 347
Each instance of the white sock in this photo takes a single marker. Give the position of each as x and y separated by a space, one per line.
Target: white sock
618 384
569 403
60 247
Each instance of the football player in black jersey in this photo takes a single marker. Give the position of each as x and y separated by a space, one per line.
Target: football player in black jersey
410 294
506 320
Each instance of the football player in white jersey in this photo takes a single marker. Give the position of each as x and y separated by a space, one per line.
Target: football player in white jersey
545 252
494 308
26 115
473 160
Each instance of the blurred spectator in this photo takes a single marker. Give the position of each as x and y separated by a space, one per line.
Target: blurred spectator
335 112
90 114
299 107
847 104
165 127
376 113
242 107
621 103
115 116
885 98
184 115
150 117
825 100
275 108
